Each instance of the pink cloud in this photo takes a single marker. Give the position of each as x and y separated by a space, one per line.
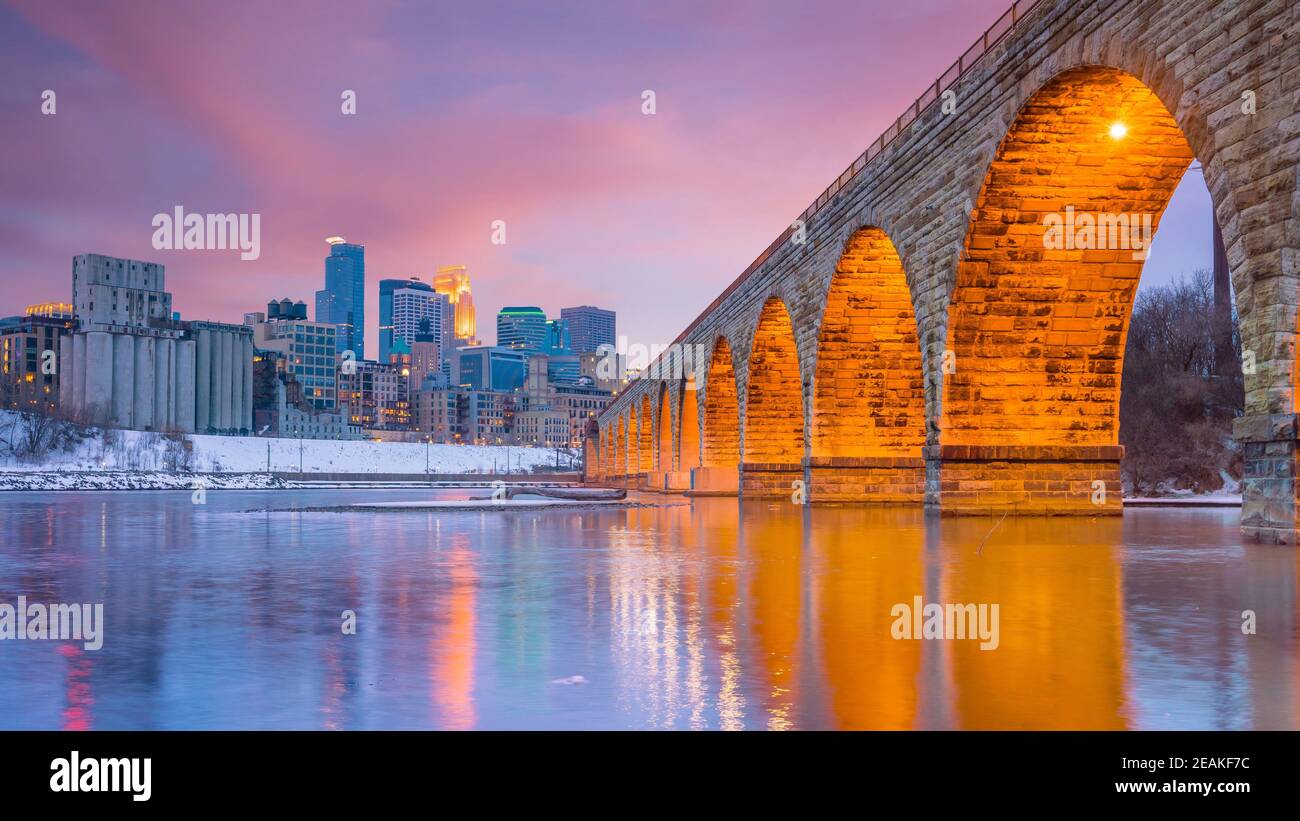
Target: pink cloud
466 114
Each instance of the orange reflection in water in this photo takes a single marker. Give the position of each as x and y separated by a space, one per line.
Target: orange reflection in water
773 542
1059 663
715 523
745 615
453 646
865 560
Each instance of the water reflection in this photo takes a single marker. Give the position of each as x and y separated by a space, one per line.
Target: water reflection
709 614
863 561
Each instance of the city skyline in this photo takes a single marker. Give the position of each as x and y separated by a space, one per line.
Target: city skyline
597 198
736 365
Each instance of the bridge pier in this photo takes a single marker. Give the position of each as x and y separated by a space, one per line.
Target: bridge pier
1028 480
667 481
1268 492
714 481
769 480
866 479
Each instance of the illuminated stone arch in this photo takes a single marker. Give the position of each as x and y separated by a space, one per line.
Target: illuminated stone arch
1036 323
620 449
646 437
607 449
591 458
688 427
633 439
720 446
868 398
774 418
607 452
664 431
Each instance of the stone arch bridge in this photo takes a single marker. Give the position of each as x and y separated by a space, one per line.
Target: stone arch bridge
942 326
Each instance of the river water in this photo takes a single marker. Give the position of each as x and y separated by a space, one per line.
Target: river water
694 615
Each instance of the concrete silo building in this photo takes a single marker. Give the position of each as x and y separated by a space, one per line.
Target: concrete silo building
130 363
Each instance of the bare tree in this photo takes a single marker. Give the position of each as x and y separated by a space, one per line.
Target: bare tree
1178 403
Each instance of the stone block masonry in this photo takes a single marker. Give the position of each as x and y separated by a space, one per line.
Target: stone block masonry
929 340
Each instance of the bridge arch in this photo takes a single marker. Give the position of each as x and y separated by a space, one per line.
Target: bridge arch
720 445
609 461
868 398
688 426
774 416
620 449
591 456
645 441
634 438
1043 291
606 456
664 431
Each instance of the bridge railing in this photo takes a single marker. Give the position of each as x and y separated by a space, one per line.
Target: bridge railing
992 35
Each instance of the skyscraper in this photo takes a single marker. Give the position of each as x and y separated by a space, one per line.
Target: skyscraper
426 354
522 327
453 280
411 306
343 300
589 327
386 288
564 365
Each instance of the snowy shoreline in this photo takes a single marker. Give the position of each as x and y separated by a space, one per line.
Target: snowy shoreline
73 457
45 481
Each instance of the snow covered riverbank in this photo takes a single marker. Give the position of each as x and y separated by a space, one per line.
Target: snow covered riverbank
93 450
33 480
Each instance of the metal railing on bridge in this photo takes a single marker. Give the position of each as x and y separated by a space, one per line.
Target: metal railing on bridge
991 37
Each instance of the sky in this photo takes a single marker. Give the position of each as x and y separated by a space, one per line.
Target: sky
466 113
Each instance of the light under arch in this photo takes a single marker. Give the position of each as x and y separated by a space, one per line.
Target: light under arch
688 437
869 388
645 442
1037 324
774 393
720 446
664 431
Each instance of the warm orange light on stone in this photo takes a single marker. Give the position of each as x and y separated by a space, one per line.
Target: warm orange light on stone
620 450
1022 344
664 432
633 442
721 446
869 392
774 447
774 402
688 454
646 439
868 415
1031 412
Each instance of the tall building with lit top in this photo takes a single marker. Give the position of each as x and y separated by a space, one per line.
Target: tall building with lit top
342 302
522 327
453 280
